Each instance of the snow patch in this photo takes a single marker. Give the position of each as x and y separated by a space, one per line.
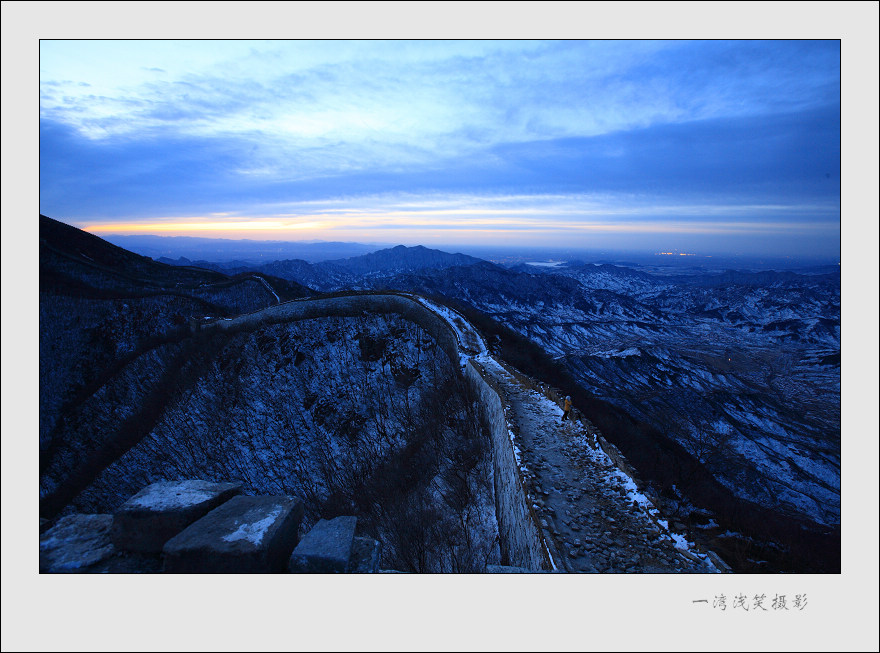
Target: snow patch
618 353
254 531
464 332
165 496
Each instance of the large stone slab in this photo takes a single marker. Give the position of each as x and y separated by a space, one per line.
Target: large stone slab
160 511
326 549
76 543
245 535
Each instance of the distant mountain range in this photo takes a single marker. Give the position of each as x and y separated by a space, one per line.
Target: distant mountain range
355 271
246 252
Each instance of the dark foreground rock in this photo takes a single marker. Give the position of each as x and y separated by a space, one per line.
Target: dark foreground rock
327 548
160 511
245 535
76 543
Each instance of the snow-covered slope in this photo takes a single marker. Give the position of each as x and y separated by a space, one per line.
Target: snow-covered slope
740 368
355 415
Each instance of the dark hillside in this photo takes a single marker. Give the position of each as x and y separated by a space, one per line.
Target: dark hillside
73 260
102 307
78 246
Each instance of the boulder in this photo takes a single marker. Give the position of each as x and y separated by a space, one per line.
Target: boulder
160 511
326 549
245 535
76 543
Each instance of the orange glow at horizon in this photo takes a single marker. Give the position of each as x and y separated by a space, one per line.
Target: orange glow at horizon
152 227
460 225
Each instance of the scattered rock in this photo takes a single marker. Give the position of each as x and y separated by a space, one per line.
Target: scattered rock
160 511
326 549
75 543
244 535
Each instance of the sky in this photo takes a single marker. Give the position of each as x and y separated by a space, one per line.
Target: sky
708 146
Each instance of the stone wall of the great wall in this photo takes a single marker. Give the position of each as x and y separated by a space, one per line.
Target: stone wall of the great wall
351 306
521 541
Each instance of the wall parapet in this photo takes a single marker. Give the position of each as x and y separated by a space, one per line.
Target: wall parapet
523 541
349 306
519 527
596 438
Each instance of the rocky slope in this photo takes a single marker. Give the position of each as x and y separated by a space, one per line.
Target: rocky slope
741 369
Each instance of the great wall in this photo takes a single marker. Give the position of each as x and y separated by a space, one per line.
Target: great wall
566 500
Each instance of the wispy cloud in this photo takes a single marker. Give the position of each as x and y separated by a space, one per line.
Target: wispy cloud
183 128
440 91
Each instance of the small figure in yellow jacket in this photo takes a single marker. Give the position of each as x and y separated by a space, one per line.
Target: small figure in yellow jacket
566 409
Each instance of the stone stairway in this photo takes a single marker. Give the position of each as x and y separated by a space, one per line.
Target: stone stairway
592 515
581 490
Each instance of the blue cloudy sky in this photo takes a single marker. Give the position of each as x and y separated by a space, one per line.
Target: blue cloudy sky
707 146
